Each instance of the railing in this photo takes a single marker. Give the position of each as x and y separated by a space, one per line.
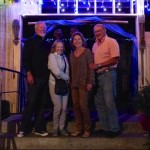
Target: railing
21 99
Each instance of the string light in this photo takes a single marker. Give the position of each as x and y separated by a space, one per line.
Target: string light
147 6
89 5
54 2
103 7
119 6
73 6
31 6
84 2
62 7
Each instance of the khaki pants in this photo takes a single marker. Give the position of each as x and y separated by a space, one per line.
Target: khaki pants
60 108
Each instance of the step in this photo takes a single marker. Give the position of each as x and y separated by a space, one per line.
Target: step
125 141
130 123
11 124
132 127
132 137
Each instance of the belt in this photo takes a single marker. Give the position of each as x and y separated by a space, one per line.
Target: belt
107 70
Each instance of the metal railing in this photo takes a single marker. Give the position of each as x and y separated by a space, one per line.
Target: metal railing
21 90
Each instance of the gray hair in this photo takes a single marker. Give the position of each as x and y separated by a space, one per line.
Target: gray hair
102 26
38 23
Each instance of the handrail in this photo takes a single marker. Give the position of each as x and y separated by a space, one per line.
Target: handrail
10 70
21 88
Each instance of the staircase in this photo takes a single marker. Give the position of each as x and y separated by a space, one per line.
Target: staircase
131 138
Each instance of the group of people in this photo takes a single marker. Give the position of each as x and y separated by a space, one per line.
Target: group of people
42 61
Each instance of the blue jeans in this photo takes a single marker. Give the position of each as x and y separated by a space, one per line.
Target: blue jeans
105 101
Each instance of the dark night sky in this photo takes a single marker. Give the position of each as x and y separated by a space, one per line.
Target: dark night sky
147 22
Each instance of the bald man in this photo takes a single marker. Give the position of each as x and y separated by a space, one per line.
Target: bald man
35 60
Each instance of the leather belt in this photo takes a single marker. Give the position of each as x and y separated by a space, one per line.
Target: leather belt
107 70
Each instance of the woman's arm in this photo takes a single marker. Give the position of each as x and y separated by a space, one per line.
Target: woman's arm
53 66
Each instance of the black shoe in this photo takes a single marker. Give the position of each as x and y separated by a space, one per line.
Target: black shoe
55 133
64 133
147 134
100 132
111 134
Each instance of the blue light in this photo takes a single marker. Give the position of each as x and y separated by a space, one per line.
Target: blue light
63 10
119 9
62 4
88 9
83 6
104 9
147 7
54 2
119 4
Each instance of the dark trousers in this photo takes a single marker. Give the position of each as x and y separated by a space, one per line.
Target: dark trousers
38 97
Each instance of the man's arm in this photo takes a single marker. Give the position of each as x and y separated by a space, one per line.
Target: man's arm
27 61
107 63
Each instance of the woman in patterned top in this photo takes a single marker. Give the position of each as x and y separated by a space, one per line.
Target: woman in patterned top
82 80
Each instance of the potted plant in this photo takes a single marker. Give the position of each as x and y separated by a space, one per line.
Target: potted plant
142 103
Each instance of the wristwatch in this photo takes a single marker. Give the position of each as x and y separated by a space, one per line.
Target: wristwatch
99 65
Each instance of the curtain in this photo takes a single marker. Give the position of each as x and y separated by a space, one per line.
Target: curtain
134 56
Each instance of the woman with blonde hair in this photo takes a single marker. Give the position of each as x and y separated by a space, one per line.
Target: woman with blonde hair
59 67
